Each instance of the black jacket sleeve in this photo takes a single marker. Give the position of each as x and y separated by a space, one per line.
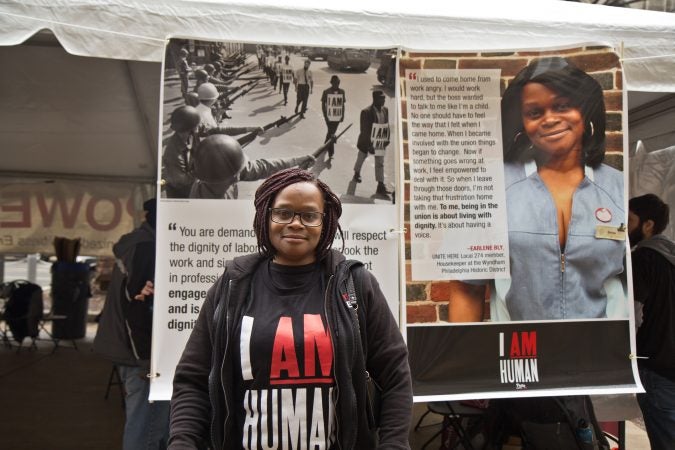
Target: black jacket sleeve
190 404
387 363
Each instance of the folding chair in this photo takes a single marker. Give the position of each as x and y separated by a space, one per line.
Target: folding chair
455 412
50 317
22 312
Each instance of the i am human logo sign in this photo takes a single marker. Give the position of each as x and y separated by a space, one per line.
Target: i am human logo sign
520 366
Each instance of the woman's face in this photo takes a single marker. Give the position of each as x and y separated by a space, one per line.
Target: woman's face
552 123
295 243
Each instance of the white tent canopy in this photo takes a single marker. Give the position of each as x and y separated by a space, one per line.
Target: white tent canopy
91 110
136 30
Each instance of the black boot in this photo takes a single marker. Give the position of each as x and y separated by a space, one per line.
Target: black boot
381 189
357 177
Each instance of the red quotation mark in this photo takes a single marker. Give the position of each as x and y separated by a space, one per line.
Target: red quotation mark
412 76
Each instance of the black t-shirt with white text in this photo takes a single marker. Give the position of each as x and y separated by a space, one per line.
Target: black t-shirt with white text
284 383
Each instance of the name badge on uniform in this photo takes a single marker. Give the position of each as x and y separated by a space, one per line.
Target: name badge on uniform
610 232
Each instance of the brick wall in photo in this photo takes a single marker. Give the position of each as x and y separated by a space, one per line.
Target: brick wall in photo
428 301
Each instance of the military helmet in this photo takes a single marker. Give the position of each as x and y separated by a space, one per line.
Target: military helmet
192 99
207 91
201 74
209 68
218 158
184 118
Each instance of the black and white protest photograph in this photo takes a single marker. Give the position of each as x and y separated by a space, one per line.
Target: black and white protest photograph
235 113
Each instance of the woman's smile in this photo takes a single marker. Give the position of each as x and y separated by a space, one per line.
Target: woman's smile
294 242
553 125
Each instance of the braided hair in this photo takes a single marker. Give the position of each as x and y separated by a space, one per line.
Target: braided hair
264 199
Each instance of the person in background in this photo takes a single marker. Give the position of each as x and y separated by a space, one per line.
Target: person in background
276 354
653 264
125 330
333 108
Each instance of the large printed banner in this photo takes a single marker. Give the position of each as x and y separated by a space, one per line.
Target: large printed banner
514 200
517 218
33 213
282 104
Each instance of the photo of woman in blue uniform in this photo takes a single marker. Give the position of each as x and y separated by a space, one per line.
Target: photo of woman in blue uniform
565 207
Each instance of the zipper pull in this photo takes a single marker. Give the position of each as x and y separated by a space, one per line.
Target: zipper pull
562 262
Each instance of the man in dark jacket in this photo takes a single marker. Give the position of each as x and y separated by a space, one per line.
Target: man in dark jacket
653 262
124 334
373 139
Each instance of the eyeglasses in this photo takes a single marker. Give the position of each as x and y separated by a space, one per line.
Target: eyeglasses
286 216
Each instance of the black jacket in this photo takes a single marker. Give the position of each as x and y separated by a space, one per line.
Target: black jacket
653 263
202 389
125 329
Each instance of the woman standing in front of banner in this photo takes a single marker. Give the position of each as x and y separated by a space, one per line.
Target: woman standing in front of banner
277 358
565 207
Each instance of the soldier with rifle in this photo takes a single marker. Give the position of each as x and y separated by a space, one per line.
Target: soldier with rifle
208 95
219 163
177 175
213 78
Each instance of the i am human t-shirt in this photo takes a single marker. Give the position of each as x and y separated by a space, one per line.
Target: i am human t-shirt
285 380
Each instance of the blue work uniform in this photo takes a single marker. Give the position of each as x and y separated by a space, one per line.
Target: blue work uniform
550 283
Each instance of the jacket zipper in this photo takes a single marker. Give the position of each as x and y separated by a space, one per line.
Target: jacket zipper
215 344
222 364
131 340
332 343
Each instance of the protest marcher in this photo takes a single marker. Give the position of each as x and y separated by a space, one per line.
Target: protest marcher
286 77
277 74
373 140
304 83
333 107
282 329
653 264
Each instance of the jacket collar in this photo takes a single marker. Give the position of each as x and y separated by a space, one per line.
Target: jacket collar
243 265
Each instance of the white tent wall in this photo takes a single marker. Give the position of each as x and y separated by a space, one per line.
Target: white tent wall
74 117
652 122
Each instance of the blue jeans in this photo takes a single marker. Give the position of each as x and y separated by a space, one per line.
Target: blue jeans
658 409
147 424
